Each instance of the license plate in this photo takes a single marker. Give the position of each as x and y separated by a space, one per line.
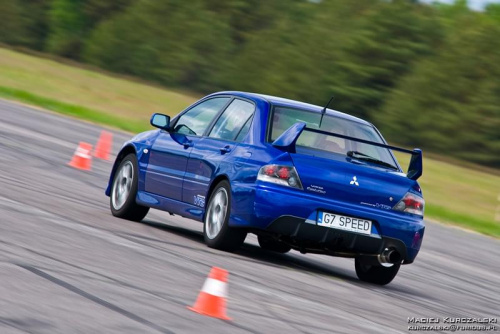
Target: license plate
345 223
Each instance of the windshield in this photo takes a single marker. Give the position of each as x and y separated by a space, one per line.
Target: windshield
284 117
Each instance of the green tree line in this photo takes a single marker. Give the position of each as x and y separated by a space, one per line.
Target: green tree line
426 75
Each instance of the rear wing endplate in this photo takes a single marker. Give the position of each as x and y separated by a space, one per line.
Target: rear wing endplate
288 139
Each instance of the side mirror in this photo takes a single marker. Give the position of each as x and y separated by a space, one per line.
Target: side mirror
160 121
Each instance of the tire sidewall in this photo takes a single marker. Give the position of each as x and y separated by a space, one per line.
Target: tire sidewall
133 190
217 239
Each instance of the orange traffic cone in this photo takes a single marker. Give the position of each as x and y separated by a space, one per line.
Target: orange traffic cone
103 147
212 298
82 158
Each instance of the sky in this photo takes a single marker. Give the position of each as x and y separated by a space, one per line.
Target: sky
474 4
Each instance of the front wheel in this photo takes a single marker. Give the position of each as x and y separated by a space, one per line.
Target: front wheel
216 230
376 274
124 189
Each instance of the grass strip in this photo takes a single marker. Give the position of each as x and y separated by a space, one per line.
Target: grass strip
91 115
470 222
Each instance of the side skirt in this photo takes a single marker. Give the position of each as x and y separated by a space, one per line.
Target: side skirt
170 205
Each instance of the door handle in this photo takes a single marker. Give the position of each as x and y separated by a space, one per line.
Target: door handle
225 149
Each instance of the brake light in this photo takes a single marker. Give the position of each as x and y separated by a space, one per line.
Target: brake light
283 175
270 170
411 203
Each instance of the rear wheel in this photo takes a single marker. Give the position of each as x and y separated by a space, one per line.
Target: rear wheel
124 189
376 274
216 230
273 245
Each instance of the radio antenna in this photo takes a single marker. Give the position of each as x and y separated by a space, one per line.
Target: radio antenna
323 112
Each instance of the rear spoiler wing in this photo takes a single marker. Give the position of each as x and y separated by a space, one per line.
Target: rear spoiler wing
288 139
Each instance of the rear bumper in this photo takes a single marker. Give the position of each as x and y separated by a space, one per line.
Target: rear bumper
312 238
292 215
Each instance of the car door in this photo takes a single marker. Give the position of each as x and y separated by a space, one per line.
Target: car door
170 151
210 151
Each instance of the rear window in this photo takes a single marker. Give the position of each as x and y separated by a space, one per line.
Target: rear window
284 117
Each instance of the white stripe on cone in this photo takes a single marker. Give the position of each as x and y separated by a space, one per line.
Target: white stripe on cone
215 288
83 153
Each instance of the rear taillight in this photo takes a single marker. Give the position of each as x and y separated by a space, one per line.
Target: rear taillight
411 203
283 175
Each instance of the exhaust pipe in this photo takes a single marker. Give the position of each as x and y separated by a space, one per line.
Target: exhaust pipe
389 256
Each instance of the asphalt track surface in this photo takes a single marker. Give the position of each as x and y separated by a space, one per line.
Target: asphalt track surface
68 266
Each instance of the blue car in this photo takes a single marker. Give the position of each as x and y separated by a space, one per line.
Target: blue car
299 176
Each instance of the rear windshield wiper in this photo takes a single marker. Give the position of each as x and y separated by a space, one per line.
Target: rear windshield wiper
364 157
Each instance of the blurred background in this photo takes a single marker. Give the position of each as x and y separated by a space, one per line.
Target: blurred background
425 73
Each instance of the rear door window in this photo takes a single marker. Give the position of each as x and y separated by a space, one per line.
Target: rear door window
234 122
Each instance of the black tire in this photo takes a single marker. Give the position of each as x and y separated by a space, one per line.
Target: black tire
221 236
376 274
270 244
126 207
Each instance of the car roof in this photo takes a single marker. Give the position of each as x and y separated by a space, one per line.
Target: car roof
275 100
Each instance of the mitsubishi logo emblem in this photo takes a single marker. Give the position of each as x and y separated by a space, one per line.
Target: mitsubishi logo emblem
354 181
